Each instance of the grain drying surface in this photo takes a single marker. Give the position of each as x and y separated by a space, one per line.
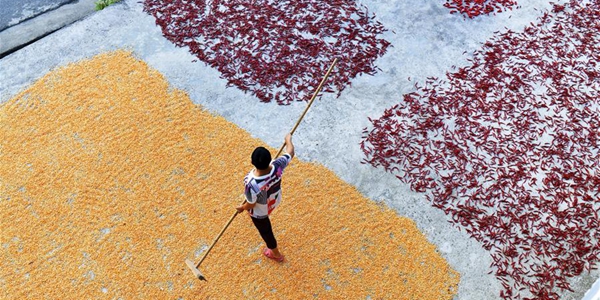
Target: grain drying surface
109 179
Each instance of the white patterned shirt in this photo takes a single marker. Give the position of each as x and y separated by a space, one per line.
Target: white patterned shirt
265 190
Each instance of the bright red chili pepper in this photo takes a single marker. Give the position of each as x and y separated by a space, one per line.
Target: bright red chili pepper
273 48
515 137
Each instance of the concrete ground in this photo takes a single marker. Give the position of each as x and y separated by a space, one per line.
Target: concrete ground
425 45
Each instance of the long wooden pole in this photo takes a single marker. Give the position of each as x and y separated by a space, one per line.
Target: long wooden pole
314 96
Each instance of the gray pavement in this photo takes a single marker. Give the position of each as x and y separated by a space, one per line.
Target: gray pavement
24 22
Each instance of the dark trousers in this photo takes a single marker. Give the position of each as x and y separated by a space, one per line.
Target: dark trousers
266 231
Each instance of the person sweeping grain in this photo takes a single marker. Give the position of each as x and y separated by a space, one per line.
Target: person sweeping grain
263 193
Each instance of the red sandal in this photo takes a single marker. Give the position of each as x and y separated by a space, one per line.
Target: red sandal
269 253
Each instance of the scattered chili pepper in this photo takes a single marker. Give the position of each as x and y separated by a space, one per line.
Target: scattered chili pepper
276 50
509 149
474 8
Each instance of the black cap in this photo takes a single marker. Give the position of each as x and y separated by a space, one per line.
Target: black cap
261 158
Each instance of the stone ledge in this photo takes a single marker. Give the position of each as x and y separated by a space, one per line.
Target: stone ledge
31 30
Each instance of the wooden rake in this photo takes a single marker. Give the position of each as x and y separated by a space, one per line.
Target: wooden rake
194 267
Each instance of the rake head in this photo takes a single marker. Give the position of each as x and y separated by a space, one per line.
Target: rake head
195 270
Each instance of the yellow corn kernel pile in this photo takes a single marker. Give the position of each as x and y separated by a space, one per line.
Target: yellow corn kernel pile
109 180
